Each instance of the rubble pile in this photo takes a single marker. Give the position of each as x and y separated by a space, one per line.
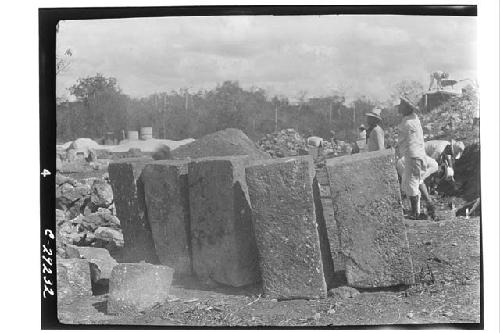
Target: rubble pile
287 142
85 213
453 120
227 142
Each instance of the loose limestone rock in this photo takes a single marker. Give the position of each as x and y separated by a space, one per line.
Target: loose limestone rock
286 231
167 201
73 280
367 204
98 256
222 239
128 193
137 287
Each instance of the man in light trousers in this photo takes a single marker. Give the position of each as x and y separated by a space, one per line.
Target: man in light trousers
411 147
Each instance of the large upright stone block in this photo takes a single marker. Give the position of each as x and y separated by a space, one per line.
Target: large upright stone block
369 216
167 200
286 230
222 239
128 193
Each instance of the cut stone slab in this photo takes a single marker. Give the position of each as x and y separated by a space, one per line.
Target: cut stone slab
285 226
73 280
222 239
167 200
98 256
137 287
128 194
367 205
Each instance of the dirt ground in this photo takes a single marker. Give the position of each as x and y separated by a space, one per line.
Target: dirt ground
446 259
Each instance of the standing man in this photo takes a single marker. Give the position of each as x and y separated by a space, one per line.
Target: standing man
375 133
411 147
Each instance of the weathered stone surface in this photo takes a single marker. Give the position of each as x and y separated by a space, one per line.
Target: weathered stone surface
167 201
98 256
128 193
222 239
73 279
369 216
286 230
137 287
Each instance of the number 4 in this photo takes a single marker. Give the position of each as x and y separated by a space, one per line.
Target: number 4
45 173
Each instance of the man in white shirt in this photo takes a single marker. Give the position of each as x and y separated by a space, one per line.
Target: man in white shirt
375 133
411 147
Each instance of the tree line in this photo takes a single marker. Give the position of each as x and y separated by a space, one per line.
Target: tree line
100 107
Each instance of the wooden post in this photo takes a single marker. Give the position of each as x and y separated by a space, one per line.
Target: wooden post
276 118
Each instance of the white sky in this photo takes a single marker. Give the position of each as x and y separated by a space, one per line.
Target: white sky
363 55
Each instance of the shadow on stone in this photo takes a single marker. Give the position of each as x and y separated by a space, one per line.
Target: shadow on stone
101 287
192 283
101 307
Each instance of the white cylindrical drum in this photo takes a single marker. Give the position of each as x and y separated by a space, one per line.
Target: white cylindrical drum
146 133
133 135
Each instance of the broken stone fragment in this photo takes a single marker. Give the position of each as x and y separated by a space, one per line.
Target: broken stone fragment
137 287
73 280
98 256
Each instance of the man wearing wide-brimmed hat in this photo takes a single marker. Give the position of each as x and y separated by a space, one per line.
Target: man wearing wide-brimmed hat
375 133
411 147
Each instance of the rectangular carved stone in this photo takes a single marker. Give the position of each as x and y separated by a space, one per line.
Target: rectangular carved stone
367 205
128 194
222 239
167 200
286 230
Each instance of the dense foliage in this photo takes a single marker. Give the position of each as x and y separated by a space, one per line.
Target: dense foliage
100 107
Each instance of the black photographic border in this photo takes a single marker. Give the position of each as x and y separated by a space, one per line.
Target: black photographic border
48 19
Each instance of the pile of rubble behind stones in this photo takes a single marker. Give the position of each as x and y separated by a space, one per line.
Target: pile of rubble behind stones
287 142
85 214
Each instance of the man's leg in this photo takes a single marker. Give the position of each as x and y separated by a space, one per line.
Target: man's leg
431 211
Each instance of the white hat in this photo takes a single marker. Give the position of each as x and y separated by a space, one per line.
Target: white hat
375 113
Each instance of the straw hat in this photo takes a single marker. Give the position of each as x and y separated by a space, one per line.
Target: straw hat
407 102
375 113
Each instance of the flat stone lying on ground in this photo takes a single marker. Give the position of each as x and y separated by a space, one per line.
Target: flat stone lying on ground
128 193
73 279
167 200
137 287
98 256
367 204
286 230
222 239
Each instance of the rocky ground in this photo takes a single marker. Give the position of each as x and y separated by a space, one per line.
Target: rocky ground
445 253
446 259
